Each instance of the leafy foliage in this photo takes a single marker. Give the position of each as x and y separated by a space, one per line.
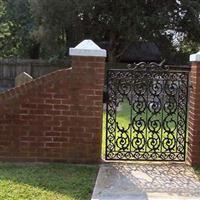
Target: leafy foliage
4 27
18 24
54 25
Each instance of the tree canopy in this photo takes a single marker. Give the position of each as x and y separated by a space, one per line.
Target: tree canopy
49 27
17 24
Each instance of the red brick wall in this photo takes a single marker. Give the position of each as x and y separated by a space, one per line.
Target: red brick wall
56 118
194 117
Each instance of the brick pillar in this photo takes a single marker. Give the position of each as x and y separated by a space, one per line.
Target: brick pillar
88 66
193 156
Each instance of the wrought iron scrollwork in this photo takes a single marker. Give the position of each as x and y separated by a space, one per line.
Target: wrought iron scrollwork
145 66
157 104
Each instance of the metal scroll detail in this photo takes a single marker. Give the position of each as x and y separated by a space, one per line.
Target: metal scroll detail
154 123
152 66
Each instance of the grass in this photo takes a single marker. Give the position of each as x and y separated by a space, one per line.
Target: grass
46 182
197 171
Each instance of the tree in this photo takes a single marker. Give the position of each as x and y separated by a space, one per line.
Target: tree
4 28
129 21
63 23
18 25
58 24
52 26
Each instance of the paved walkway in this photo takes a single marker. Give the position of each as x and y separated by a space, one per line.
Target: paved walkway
146 182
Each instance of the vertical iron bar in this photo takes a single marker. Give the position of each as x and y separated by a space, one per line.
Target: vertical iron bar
146 139
177 129
186 114
107 102
162 118
131 116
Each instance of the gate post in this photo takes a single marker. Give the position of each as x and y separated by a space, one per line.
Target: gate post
193 155
88 66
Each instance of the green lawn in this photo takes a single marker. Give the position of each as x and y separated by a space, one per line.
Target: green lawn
197 171
46 181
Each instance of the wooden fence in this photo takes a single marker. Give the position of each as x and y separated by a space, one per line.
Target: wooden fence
10 68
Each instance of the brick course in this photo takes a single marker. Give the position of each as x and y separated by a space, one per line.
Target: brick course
55 118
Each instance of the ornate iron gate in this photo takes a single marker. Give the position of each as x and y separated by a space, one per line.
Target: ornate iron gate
146 116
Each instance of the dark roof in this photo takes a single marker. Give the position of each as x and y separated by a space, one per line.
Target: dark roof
137 52
141 51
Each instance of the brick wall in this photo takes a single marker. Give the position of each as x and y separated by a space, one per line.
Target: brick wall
55 118
194 117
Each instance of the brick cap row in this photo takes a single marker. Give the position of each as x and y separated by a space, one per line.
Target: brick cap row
87 48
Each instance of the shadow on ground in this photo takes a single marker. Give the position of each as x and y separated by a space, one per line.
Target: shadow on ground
146 182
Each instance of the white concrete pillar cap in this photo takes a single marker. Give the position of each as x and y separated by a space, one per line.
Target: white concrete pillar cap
195 57
87 48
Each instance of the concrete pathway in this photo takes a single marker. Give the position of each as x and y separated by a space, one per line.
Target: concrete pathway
146 182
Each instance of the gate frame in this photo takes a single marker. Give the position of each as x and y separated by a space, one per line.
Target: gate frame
163 68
